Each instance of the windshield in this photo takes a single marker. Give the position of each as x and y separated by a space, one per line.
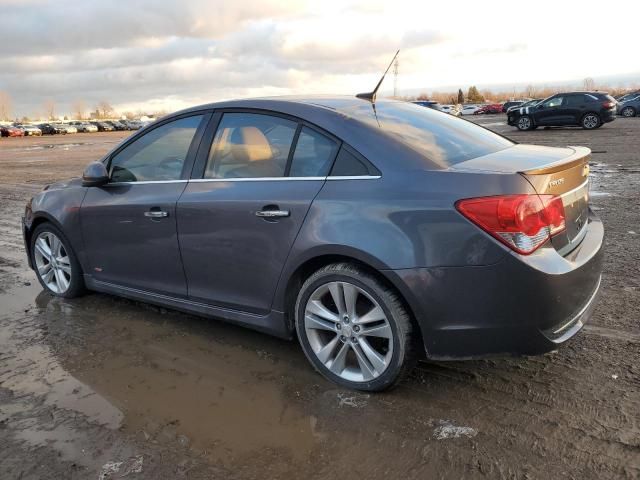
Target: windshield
440 137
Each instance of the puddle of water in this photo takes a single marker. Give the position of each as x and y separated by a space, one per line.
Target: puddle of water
225 400
599 194
30 367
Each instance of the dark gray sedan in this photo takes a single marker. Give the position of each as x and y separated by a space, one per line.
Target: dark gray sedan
376 232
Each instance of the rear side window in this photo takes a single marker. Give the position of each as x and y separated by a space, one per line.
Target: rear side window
348 164
313 155
250 145
577 100
157 155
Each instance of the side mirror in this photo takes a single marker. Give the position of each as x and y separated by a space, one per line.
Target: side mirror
95 175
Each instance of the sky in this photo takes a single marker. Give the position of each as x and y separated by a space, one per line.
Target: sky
169 54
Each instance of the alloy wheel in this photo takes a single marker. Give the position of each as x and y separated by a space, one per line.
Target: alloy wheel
52 262
524 123
590 121
348 331
628 112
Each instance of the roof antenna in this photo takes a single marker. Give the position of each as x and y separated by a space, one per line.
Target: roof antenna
371 96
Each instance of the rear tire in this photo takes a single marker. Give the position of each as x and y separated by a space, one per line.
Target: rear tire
55 262
628 112
354 329
525 123
590 121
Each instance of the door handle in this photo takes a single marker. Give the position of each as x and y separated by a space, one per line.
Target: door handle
272 213
156 214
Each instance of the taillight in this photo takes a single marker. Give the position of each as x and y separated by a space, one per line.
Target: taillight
608 104
522 222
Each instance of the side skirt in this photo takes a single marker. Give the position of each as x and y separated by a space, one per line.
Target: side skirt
273 323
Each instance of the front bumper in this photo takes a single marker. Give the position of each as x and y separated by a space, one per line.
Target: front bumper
520 305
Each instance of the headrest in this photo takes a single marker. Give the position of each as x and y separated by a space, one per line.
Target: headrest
248 144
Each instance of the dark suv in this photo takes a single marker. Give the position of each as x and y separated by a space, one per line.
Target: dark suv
588 110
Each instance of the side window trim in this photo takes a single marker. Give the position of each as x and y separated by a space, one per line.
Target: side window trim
189 160
292 150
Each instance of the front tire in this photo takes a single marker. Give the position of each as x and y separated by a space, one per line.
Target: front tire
590 121
525 123
354 329
55 262
628 112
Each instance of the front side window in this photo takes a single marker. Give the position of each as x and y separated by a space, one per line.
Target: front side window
313 155
554 102
158 155
250 145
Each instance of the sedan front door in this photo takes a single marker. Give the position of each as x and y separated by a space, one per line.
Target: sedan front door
238 220
551 112
129 225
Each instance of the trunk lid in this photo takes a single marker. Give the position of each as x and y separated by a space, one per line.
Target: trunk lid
550 171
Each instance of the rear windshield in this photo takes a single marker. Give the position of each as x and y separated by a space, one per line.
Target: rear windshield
441 138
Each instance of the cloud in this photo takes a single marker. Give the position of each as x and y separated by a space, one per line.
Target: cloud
143 51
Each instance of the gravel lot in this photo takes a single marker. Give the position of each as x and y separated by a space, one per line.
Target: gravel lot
100 387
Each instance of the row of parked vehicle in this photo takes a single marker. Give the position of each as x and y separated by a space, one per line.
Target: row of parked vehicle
60 128
627 105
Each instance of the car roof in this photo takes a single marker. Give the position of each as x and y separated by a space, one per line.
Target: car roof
338 115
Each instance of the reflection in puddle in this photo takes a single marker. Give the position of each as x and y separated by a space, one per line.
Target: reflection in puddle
134 371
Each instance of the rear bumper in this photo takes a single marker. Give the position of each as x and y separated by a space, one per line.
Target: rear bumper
520 305
608 116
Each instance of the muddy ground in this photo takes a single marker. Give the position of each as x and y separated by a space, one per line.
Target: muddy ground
100 387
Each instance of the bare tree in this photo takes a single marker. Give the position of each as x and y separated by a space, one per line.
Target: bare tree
423 96
530 91
5 106
104 109
49 109
78 108
589 84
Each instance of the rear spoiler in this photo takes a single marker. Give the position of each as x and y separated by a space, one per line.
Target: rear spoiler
581 155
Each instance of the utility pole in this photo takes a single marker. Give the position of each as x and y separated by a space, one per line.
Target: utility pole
396 64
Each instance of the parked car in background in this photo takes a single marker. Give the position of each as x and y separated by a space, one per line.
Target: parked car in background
52 129
511 103
451 109
630 106
427 103
103 126
29 130
469 109
117 125
529 103
68 127
272 217
586 109
627 96
134 124
10 131
84 127
492 108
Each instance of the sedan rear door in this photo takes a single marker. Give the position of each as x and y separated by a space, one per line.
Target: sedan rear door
239 216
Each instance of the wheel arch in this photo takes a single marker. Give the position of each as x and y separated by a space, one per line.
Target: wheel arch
292 282
37 219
